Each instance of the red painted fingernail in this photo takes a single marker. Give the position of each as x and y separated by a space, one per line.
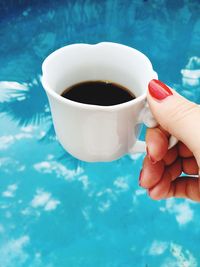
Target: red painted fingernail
140 177
159 90
153 161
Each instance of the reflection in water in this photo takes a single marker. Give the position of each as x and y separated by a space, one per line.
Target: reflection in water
191 79
26 106
102 24
55 210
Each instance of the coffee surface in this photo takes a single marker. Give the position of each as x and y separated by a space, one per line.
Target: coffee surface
100 93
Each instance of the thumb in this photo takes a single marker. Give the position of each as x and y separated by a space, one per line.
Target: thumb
177 115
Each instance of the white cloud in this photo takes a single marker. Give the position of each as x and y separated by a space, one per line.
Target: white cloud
104 205
26 211
106 191
10 192
140 192
20 136
176 254
157 248
13 252
182 211
27 132
44 167
121 183
51 204
184 258
21 168
53 166
8 165
29 128
7 140
44 200
40 199
86 213
85 181
179 257
106 197
50 157
33 131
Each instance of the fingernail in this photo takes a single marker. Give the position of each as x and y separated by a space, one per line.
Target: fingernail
153 161
159 90
140 177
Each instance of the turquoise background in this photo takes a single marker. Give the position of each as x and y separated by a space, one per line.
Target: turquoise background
56 211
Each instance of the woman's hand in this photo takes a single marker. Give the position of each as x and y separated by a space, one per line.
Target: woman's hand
162 167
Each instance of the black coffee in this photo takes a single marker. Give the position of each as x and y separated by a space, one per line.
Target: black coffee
100 93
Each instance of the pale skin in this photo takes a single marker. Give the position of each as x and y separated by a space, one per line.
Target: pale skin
162 168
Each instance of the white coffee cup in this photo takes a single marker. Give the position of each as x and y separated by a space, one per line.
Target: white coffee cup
91 132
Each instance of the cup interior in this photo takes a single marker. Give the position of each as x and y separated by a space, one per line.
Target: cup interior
104 61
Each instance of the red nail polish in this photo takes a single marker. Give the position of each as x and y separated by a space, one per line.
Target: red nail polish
140 177
159 90
153 161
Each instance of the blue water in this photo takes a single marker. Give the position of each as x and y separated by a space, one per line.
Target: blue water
56 211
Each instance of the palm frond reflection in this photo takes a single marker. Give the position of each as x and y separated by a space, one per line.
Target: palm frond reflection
26 106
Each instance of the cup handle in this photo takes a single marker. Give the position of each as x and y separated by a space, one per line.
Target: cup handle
147 118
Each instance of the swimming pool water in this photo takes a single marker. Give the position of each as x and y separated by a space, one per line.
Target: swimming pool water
54 209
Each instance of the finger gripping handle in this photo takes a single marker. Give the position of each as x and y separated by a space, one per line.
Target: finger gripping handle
148 119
